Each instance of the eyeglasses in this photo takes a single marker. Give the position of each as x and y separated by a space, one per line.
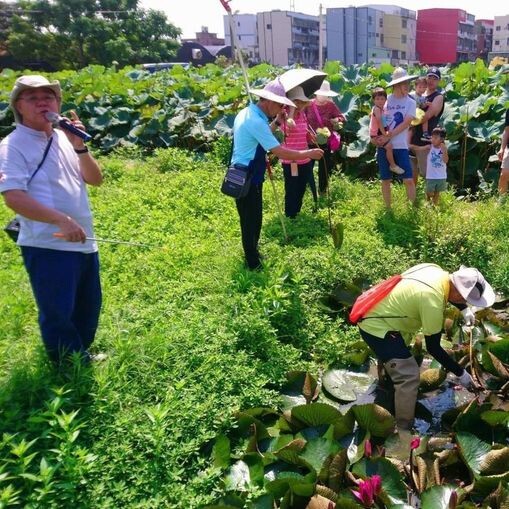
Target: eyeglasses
38 98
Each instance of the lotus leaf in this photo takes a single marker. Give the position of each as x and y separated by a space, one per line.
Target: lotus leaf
431 379
496 417
317 451
315 414
303 485
290 452
263 502
375 419
300 388
245 473
221 452
495 462
345 385
355 444
437 497
473 450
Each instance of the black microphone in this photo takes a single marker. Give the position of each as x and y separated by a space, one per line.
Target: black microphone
63 123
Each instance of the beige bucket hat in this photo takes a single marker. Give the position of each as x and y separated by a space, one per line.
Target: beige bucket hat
30 82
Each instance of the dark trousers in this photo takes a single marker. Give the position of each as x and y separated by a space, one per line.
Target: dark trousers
295 186
67 290
250 209
391 347
325 168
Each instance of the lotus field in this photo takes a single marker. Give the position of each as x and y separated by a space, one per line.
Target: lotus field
226 388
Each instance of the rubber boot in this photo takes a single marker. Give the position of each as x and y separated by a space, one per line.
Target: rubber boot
404 374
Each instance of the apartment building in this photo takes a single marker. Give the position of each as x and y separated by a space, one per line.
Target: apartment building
354 35
247 36
371 34
501 36
287 38
399 33
484 35
445 36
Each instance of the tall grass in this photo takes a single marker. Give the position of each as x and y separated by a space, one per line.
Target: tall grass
192 336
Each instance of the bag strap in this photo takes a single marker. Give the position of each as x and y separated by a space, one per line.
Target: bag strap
317 113
50 141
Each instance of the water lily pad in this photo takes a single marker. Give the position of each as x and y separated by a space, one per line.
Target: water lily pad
375 419
318 451
345 385
437 497
300 388
315 414
473 450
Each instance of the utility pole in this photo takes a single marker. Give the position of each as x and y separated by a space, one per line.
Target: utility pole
292 5
320 39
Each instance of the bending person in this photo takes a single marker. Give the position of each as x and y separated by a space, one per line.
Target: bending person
416 303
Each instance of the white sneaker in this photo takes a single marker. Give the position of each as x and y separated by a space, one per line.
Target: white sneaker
397 170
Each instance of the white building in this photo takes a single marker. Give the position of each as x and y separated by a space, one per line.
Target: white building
287 38
501 34
245 28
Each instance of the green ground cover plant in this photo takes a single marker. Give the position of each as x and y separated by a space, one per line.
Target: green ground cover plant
193 337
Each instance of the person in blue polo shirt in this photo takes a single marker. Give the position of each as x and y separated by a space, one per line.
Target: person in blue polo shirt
252 138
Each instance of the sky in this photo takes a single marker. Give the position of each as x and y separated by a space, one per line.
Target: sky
191 15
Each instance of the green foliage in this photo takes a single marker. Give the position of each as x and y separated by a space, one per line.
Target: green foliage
70 35
194 108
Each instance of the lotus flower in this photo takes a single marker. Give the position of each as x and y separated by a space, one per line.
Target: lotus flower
368 490
415 443
368 451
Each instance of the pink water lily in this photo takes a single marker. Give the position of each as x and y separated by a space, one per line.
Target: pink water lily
368 490
415 443
368 450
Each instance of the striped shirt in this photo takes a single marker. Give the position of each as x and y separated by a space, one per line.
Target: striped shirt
297 137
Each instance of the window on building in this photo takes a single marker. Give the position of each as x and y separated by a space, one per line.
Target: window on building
497 28
269 26
381 38
239 38
370 20
373 55
497 43
403 23
403 55
395 53
381 23
403 39
507 41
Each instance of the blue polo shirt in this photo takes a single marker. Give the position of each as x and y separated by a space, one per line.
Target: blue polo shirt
251 129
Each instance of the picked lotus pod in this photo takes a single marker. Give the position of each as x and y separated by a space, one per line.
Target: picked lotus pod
290 122
432 378
495 462
440 443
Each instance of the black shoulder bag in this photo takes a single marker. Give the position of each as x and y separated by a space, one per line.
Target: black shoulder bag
237 181
12 227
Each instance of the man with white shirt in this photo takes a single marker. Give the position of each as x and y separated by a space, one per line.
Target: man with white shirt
399 110
44 172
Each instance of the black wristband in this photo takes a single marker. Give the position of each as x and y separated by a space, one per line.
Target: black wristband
81 150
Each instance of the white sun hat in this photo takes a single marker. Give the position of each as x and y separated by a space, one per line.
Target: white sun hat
325 90
472 286
400 75
273 91
297 94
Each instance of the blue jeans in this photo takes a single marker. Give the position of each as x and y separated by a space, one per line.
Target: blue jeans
67 290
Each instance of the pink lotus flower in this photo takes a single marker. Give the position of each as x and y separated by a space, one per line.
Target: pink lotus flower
368 490
368 451
415 443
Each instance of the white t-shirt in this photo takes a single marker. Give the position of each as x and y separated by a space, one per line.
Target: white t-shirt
58 185
435 167
397 109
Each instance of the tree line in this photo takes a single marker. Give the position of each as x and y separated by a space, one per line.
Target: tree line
71 34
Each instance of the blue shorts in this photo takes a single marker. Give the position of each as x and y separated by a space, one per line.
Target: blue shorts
402 159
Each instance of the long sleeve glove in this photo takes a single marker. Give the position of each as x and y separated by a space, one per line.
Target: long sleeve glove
468 316
466 380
